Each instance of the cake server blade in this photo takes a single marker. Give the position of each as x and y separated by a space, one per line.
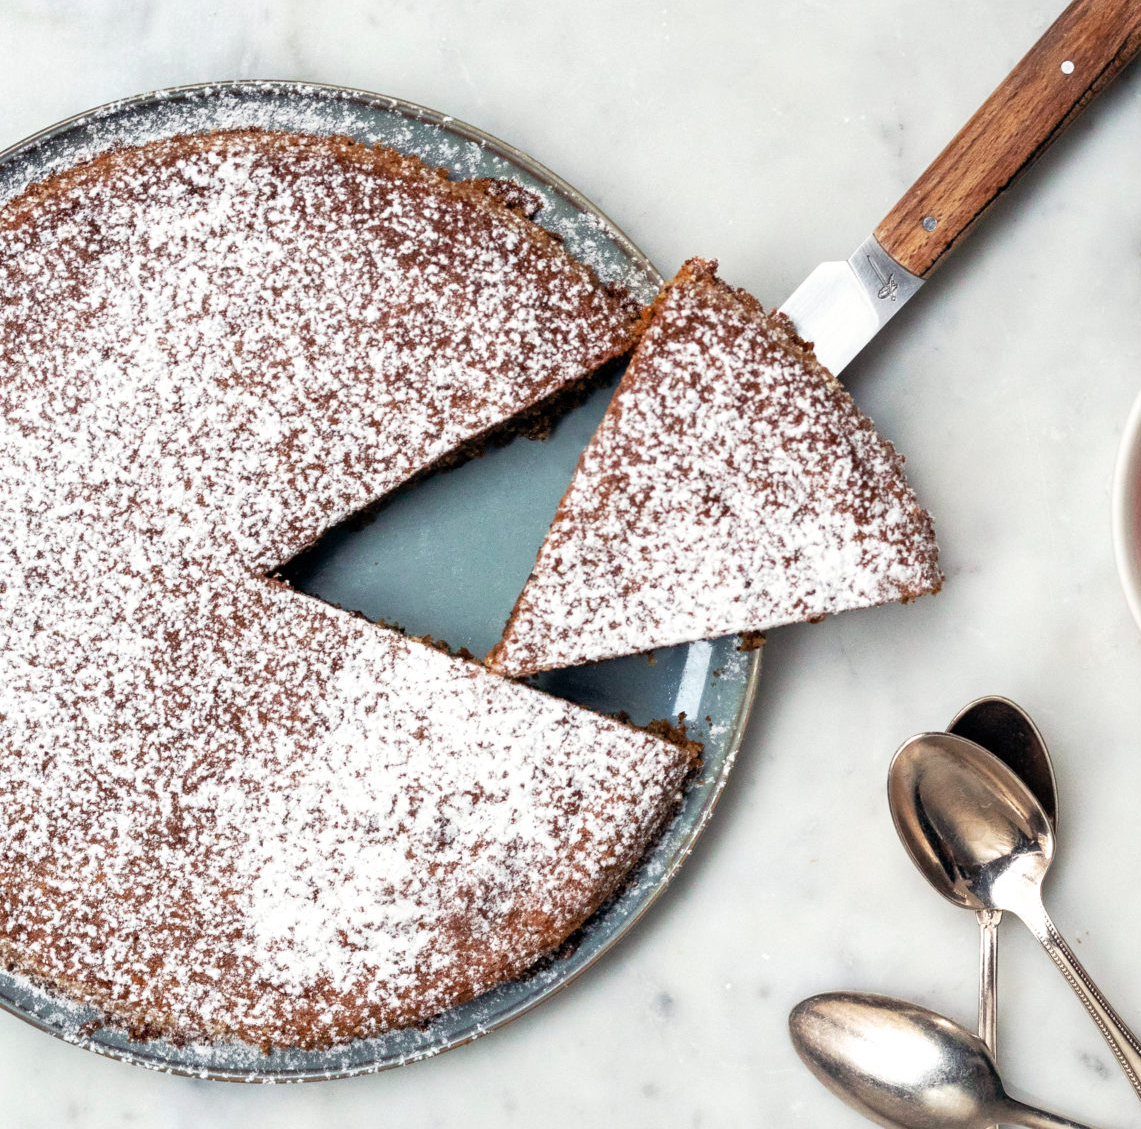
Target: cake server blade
842 305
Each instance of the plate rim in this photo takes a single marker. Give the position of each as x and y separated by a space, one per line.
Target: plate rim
685 845
1126 520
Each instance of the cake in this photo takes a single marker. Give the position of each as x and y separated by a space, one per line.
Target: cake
228 810
732 486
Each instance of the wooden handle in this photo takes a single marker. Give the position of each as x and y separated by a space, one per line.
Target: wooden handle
1076 59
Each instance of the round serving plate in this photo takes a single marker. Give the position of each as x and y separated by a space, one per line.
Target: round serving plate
446 557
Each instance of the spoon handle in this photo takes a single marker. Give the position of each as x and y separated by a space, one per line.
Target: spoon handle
988 920
1018 1113
988 976
1121 1040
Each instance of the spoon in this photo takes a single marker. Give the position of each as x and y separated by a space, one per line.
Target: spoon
1005 729
970 824
902 1065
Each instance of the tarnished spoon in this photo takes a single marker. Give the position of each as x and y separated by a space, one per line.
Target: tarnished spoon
971 824
1004 728
902 1065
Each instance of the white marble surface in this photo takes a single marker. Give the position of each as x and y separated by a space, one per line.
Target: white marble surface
771 134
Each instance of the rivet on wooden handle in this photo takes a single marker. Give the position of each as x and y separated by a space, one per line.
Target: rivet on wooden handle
1078 56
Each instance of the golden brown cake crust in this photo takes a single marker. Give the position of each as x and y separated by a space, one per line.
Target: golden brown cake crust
228 810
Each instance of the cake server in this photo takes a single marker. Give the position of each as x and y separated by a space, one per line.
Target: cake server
841 306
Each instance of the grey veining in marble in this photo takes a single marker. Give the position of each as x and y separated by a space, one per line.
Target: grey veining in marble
771 135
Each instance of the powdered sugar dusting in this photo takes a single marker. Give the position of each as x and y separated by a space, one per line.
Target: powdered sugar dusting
323 110
229 809
732 486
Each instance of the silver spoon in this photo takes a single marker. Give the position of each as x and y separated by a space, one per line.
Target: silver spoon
1005 729
969 823
902 1065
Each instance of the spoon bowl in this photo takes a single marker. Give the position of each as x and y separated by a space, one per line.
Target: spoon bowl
900 1064
967 821
1007 731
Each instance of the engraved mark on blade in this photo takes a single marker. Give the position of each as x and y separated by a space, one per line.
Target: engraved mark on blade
889 288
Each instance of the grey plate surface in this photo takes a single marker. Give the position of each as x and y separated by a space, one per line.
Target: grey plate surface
446 557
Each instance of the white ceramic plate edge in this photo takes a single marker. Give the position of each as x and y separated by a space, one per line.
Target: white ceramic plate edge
1127 511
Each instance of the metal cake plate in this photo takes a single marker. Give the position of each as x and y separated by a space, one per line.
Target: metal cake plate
446 557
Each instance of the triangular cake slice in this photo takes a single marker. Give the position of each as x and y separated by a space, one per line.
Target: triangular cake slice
228 810
733 486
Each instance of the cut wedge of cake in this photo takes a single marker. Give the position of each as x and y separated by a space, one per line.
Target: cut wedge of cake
228 810
733 486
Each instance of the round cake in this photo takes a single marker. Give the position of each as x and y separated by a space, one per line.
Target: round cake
228 810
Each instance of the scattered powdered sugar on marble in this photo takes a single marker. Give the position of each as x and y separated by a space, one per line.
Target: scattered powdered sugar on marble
230 810
732 486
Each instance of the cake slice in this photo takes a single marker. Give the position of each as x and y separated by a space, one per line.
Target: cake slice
733 486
